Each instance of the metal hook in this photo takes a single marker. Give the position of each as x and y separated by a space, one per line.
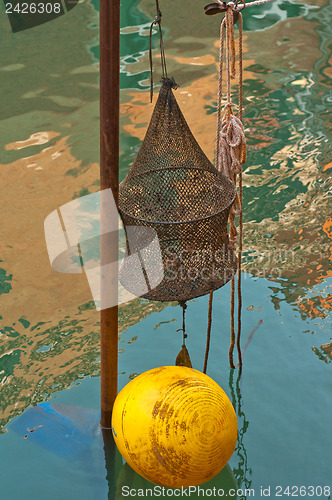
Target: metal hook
219 7
215 8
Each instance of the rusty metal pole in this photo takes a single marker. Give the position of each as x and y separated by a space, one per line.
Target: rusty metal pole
109 17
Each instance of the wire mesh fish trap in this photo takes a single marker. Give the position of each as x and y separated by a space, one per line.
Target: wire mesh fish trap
174 189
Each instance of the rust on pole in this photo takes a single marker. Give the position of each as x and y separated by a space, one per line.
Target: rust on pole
109 17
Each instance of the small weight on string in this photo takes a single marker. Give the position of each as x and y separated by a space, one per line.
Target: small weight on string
183 358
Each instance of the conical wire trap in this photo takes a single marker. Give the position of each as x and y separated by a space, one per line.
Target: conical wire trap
175 190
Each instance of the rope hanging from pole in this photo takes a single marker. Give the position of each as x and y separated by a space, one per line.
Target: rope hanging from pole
230 155
231 145
231 149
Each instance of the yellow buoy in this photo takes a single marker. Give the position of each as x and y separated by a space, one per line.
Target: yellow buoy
175 426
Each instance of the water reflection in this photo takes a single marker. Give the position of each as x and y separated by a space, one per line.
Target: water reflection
50 154
44 358
66 431
129 480
88 452
324 352
242 471
113 465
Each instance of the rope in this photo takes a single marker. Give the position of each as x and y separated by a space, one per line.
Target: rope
241 70
231 151
231 347
221 58
184 307
257 2
183 358
157 20
239 271
243 160
208 336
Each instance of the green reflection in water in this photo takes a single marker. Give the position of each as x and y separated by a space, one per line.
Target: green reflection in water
128 480
55 357
52 89
128 150
8 362
242 472
137 38
5 279
264 16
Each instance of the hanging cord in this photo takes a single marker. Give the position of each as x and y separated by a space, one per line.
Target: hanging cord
232 344
183 358
156 21
231 149
184 307
208 335
243 160
221 59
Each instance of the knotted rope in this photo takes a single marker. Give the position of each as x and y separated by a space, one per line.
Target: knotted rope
231 150
231 147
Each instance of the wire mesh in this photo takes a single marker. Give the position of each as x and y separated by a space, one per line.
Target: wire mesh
173 188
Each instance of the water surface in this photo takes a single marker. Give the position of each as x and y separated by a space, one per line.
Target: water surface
49 154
